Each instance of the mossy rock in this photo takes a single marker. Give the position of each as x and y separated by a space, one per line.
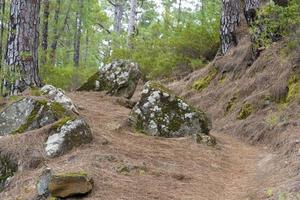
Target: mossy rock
161 113
29 114
119 78
70 184
67 134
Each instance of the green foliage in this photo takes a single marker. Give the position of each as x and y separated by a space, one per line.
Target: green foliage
68 77
204 82
230 104
275 21
245 111
164 45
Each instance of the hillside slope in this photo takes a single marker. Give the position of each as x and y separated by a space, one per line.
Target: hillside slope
257 100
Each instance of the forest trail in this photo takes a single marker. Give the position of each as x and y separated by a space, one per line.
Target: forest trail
128 165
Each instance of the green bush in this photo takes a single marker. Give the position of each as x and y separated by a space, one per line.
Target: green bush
163 46
275 21
68 77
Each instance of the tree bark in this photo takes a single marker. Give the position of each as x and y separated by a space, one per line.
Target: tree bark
118 14
22 45
2 8
230 20
56 33
78 34
251 7
132 21
45 32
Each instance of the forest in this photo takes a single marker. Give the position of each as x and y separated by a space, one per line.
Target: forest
150 99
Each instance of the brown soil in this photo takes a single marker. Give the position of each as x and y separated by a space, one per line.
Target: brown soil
128 165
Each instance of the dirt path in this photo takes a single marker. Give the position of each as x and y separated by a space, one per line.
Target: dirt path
127 165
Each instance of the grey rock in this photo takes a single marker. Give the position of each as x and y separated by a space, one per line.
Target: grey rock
71 134
57 95
27 114
43 182
161 113
119 78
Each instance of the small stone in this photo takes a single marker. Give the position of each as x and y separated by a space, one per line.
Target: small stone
43 182
70 184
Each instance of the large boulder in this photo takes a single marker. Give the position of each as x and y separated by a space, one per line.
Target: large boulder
70 184
67 134
161 113
118 78
28 114
57 95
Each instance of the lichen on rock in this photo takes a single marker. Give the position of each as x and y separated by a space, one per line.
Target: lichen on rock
57 95
118 78
161 113
27 114
67 135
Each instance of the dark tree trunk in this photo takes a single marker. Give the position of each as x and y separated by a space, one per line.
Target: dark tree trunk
2 8
56 33
22 45
132 22
45 31
230 20
78 34
251 7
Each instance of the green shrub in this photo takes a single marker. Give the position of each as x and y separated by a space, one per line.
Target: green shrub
275 21
68 77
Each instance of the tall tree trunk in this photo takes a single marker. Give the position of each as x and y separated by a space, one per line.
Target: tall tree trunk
230 20
179 12
251 7
78 34
22 45
45 32
56 32
2 8
132 21
119 12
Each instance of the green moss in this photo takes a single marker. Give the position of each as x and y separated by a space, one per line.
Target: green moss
32 117
272 120
230 104
58 110
34 91
61 122
203 83
73 174
294 88
245 111
90 83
